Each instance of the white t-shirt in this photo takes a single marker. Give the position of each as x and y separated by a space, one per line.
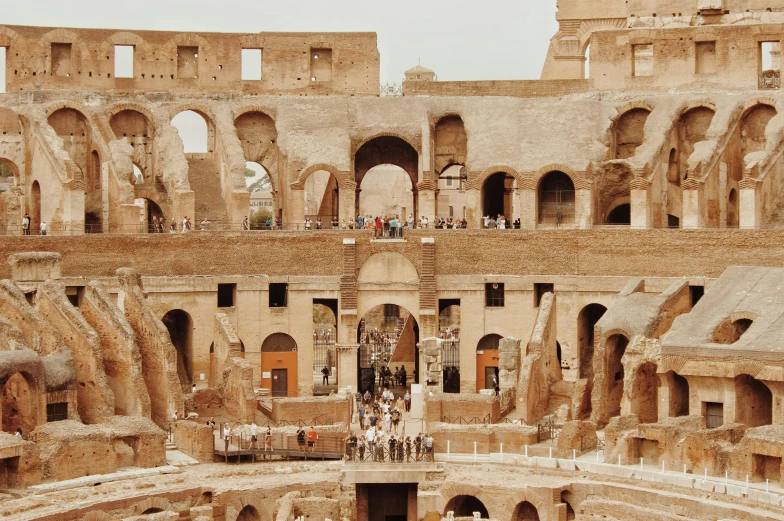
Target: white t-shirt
253 429
370 435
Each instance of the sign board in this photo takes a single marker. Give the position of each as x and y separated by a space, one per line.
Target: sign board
266 375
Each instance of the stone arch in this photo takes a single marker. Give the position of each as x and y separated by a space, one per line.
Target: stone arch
614 344
19 394
343 180
160 503
465 505
125 38
733 328
588 27
387 149
14 169
143 123
206 115
179 324
586 323
556 198
269 111
477 181
248 513
515 499
753 123
628 131
386 268
754 401
279 352
78 60
248 504
8 37
525 511
450 142
497 191
258 135
619 212
644 395
678 393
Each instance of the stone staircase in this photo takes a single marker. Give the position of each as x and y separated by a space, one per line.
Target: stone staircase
175 458
204 178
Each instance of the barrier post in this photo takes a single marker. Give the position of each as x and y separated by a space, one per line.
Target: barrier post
641 460
474 451
448 451
619 460
551 453
526 451
502 452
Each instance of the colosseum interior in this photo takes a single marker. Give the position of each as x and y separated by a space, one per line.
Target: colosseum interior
622 353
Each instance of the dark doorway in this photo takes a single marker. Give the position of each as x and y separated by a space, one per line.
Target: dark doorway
280 383
180 326
496 195
490 372
386 502
621 214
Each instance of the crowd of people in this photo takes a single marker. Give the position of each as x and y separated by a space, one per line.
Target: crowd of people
382 438
499 222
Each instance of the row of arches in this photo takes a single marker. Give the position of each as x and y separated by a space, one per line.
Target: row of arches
465 506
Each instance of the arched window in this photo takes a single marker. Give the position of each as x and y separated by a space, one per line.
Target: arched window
465 506
194 132
556 199
180 327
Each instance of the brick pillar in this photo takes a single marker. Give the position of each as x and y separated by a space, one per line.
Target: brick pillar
362 511
583 214
528 204
640 203
347 331
473 208
347 365
347 202
750 212
426 200
431 371
428 303
296 215
691 204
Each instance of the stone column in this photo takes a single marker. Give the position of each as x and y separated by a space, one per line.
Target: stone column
750 211
347 365
509 362
691 204
296 208
583 216
527 198
640 203
347 202
426 201
473 208
431 372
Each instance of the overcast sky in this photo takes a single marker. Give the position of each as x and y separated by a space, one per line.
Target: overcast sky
459 39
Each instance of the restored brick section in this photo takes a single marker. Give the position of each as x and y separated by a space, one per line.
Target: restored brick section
348 281
427 278
336 409
645 253
514 88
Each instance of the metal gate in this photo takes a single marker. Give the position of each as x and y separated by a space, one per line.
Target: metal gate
450 364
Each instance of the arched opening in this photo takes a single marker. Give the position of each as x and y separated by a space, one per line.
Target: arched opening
387 150
525 511
620 215
258 137
645 401
753 125
449 332
754 402
678 390
732 209
180 326
35 208
558 354
487 361
587 72
152 216
465 506
451 143
673 172
387 335
8 174
93 195
629 132
730 331
566 497
152 510
451 193
615 348
19 404
324 344
138 130
194 131
262 201
586 322
693 128
386 191
249 513
322 198
138 175
556 200
279 365
497 193
74 129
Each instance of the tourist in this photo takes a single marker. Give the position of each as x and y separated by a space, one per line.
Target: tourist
193 388
184 225
226 434
370 436
387 420
410 221
492 224
204 225
336 223
300 440
268 439
253 438
245 224
351 444
392 449
211 422
18 433
319 224
43 228
425 222
403 376
400 403
427 440
360 222
312 438
407 401
173 227
325 376
502 223
308 223
367 396
408 448
361 447
418 445
379 226
516 224
174 416
395 419
361 414
26 225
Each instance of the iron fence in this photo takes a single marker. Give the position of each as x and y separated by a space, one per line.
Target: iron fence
386 453
391 89
475 420
323 356
450 363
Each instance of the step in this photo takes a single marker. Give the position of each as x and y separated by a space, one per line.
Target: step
176 458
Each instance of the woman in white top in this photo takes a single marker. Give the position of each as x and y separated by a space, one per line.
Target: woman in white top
308 223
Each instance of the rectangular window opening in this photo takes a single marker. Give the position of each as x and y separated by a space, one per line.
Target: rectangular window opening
278 295
187 62
74 294
770 56
2 70
61 59
540 290
123 61
494 294
56 412
227 295
705 58
695 294
642 60
251 64
320 65
714 415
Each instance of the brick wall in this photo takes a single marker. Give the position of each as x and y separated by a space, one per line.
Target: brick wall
466 406
194 439
515 88
336 408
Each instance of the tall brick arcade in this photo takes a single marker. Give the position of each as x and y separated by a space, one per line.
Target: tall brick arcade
615 352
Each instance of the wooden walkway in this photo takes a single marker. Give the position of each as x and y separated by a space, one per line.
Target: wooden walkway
237 454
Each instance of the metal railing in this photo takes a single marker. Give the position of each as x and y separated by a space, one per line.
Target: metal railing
391 89
385 453
475 420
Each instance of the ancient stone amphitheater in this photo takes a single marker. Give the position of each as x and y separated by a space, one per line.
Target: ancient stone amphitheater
601 338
